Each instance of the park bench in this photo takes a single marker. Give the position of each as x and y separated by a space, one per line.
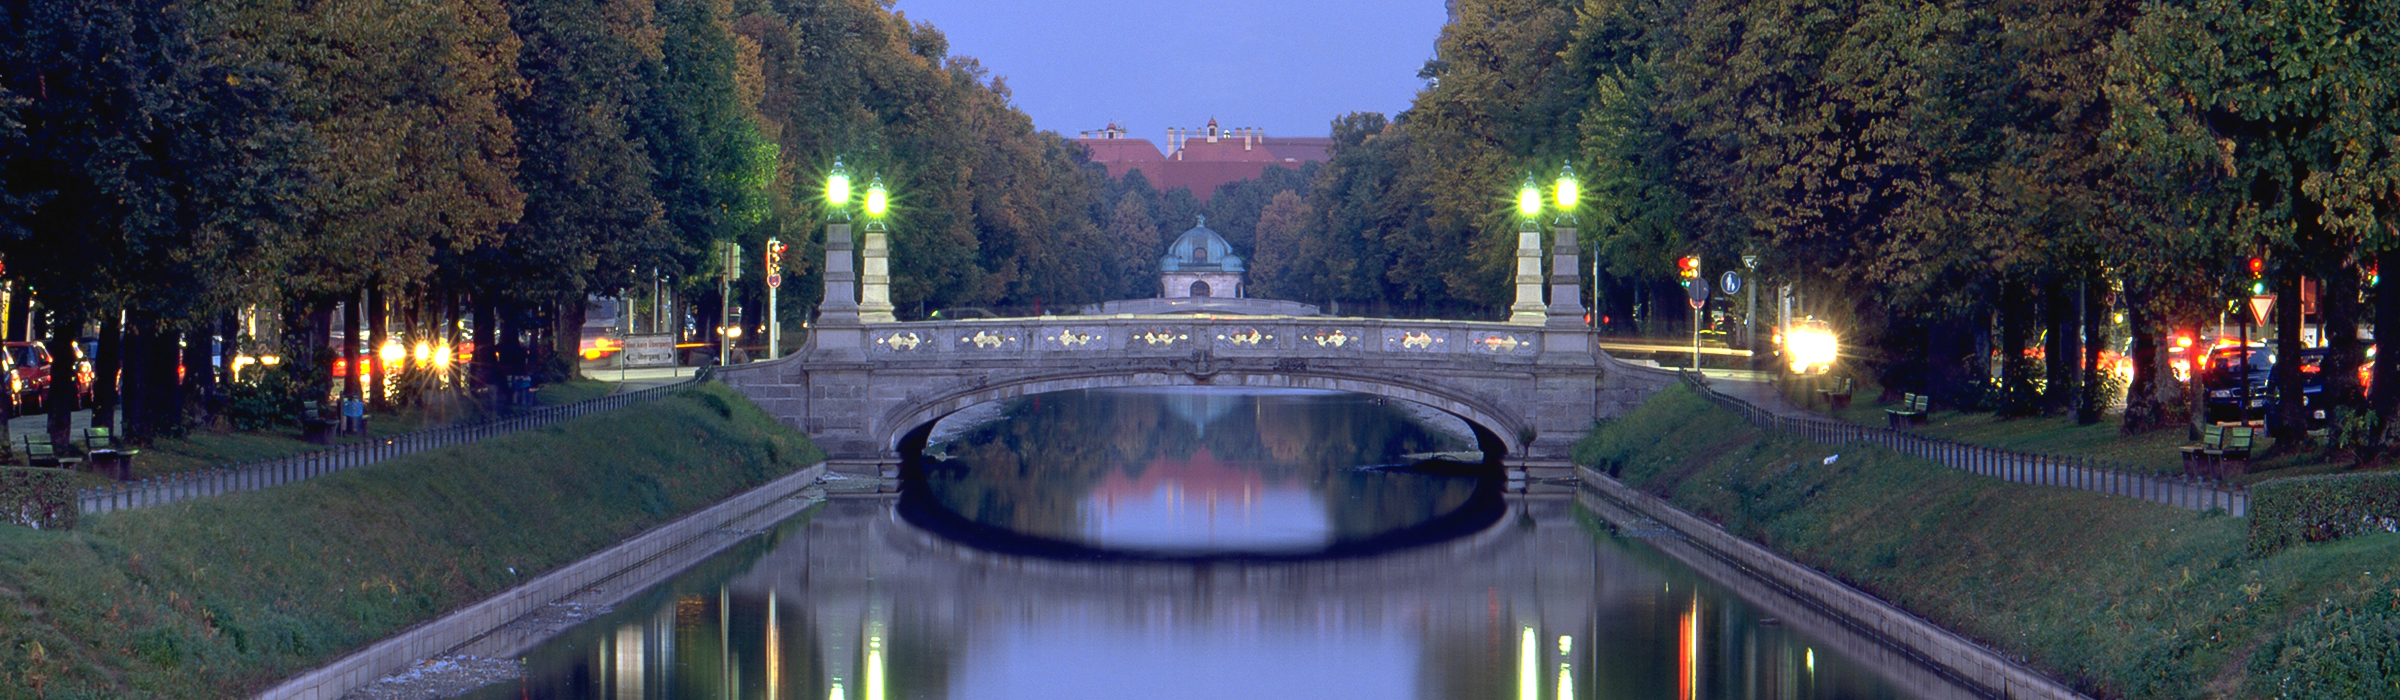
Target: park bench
1912 411
39 452
1836 394
315 425
2232 458
108 454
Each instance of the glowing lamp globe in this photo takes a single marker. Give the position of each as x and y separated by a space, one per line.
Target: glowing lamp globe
837 185
1568 189
877 201
1529 198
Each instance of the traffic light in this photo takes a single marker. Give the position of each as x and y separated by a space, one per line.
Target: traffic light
1688 268
774 256
2258 270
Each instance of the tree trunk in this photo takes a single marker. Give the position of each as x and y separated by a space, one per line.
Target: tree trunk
572 313
2094 401
2338 305
2290 422
2143 409
486 365
229 346
60 403
108 360
199 376
20 311
2017 394
152 395
2058 346
2384 387
353 331
378 333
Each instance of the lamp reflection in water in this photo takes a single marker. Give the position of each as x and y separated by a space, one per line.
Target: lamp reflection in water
1566 669
1688 653
1529 683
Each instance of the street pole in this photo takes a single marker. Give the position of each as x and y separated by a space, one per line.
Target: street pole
1750 319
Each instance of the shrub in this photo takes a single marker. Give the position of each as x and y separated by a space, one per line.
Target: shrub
2284 512
43 499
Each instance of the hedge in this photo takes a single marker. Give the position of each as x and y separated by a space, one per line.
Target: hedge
2284 512
38 497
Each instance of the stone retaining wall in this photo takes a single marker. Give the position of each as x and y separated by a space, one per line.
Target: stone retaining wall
465 625
1956 656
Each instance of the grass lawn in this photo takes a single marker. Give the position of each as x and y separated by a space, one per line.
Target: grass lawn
2119 598
219 597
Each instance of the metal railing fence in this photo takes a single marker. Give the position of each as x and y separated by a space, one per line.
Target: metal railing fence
2102 476
251 476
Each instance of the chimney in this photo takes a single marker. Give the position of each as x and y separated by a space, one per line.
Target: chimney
1246 140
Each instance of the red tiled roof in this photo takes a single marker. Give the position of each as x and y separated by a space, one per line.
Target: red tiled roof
1204 166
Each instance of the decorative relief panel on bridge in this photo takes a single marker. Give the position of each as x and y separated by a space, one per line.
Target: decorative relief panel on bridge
1503 343
990 340
1333 341
903 342
1417 340
1246 338
1064 339
1167 339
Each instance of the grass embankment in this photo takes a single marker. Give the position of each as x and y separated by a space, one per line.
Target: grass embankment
223 596
204 448
2120 598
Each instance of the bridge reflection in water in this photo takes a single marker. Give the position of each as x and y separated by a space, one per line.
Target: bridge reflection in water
1483 597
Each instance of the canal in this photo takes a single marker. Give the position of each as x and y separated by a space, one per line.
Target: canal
1209 544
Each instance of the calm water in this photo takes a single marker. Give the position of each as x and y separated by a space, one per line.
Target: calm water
1205 545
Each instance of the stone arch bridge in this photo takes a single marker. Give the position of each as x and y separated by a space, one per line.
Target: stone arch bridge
870 393
869 389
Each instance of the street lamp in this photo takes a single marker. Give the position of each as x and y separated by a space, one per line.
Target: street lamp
1528 309
1529 198
875 275
1569 191
837 191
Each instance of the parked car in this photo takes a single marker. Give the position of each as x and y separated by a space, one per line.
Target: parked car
2224 374
28 376
2312 385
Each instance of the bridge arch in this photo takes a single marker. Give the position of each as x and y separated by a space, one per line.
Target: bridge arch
909 426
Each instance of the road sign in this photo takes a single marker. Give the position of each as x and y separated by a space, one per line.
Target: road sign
2260 305
774 280
1699 292
1731 282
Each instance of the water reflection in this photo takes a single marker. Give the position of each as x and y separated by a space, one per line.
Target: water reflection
1546 601
1194 472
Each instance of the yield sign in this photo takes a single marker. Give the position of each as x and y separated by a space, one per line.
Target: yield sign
2260 305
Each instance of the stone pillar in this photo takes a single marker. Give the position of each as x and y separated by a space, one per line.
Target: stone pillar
1566 280
1528 309
837 330
875 292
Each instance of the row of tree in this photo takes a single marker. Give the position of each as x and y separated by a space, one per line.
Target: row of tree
168 166
1952 183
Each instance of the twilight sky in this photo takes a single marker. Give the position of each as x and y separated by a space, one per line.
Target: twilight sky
1287 66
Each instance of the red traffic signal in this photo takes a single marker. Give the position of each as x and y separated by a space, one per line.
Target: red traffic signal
1687 268
2258 266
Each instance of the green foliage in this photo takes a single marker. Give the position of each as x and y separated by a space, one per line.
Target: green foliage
2119 598
269 396
216 597
41 498
2288 512
2321 655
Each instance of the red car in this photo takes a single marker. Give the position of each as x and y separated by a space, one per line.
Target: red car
28 376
